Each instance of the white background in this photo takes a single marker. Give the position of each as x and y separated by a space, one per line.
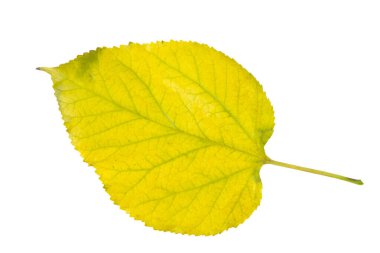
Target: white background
319 62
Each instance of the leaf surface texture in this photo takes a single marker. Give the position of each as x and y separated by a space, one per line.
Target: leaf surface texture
176 131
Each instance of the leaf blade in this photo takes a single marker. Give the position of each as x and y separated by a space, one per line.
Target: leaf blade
172 145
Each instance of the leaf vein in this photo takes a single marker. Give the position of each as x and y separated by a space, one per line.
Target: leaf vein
209 93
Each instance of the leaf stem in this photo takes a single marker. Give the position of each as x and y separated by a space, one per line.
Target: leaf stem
318 172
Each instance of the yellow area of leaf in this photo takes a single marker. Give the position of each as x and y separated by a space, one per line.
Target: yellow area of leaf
176 131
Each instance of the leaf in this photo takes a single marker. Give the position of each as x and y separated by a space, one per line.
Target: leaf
175 130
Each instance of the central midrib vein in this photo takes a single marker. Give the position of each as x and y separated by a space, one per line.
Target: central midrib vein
163 125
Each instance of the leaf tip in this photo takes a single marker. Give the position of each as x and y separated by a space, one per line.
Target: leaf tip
46 69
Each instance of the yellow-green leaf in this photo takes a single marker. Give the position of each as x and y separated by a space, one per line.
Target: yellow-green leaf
176 131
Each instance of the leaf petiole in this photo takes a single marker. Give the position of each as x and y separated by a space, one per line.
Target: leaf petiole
318 172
